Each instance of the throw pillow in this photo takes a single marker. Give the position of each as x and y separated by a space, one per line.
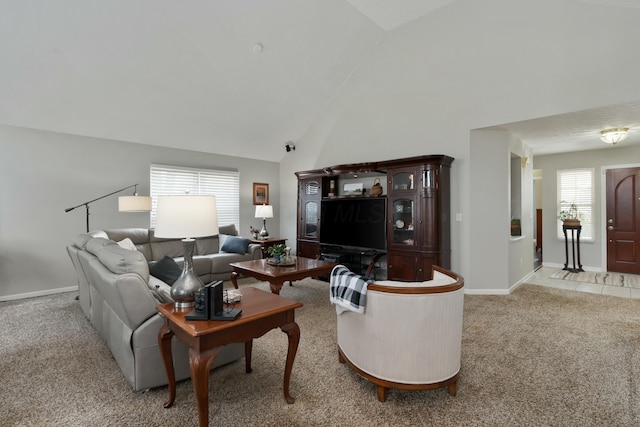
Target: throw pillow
237 245
166 269
127 244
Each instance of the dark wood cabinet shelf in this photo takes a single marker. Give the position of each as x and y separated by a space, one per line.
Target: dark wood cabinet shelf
417 217
353 197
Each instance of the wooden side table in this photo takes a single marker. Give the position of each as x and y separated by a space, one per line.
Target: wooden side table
261 312
267 243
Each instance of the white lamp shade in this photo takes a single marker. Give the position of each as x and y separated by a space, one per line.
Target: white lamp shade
134 204
264 211
186 217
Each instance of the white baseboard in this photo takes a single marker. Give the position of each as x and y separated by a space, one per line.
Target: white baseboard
486 291
500 291
38 293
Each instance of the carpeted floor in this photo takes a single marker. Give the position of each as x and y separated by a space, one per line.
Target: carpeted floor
604 278
537 357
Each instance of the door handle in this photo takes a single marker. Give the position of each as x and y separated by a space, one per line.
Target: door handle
610 227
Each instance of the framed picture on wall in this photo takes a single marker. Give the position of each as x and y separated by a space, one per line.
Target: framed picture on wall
260 193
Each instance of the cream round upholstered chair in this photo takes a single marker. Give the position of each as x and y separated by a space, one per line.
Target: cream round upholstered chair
409 336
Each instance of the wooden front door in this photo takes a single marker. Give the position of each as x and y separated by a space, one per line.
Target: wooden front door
623 220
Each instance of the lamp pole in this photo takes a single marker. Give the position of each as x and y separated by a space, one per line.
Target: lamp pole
86 204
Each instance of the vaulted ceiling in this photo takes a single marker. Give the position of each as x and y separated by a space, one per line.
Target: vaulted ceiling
241 78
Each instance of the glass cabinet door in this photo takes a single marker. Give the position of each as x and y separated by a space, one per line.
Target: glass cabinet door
402 222
311 219
311 188
403 180
309 205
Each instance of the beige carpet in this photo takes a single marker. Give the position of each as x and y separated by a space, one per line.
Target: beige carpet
538 357
605 278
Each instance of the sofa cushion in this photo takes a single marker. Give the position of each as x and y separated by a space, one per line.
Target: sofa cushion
207 245
127 244
120 260
220 263
95 245
230 230
166 270
80 241
236 245
138 236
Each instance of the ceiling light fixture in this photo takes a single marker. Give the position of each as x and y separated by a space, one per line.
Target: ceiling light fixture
613 136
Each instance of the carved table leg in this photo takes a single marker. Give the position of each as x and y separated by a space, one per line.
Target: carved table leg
234 279
248 346
275 286
164 341
200 364
293 333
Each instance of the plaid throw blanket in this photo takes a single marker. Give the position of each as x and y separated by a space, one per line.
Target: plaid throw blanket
348 290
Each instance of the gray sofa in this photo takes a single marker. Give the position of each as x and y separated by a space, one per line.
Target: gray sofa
119 296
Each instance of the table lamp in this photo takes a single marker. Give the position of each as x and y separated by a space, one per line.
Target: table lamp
186 217
264 212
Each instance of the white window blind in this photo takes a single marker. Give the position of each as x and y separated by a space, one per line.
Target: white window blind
175 180
575 186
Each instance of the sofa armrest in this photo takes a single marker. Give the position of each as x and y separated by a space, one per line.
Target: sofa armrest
127 294
255 250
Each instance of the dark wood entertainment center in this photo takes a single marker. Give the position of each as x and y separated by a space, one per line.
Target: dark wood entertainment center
417 214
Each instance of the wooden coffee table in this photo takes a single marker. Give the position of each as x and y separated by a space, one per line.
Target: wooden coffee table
276 275
261 312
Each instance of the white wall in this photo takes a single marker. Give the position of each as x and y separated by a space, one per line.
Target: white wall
490 213
591 254
422 90
43 173
466 66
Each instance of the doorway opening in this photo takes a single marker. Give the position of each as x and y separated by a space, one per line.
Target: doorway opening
537 224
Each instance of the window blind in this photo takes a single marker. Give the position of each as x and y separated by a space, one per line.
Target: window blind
176 180
576 186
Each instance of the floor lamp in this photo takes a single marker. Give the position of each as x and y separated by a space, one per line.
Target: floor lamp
133 203
186 217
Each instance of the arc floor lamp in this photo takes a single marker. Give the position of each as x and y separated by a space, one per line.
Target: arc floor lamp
133 203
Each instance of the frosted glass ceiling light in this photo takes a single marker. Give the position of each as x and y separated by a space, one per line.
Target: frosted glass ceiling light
613 136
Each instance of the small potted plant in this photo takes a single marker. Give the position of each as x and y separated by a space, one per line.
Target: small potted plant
277 252
569 216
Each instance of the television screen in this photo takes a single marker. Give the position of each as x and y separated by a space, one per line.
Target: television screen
354 222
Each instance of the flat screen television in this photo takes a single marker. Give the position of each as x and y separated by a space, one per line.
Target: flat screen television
359 222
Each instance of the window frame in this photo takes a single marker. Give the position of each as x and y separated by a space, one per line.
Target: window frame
180 180
577 185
